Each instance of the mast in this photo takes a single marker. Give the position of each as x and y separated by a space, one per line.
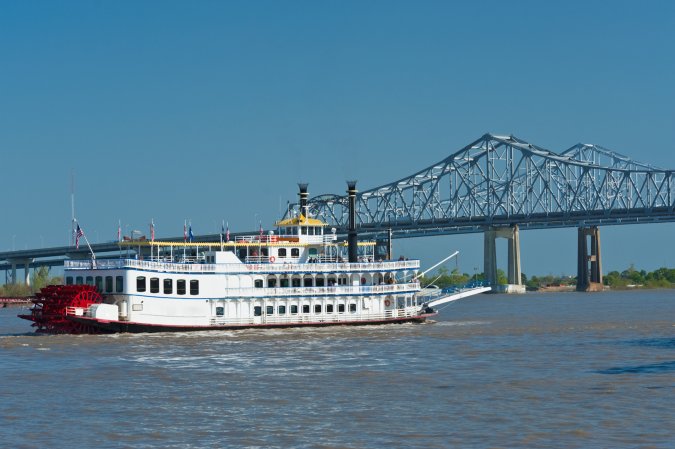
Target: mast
73 222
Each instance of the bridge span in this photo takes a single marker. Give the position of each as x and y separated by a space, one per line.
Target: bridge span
500 185
497 185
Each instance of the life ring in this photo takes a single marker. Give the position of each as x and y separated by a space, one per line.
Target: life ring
387 303
272 259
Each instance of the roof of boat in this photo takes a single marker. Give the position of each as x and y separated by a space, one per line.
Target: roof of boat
300 220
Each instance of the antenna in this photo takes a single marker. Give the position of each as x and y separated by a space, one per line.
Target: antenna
72 207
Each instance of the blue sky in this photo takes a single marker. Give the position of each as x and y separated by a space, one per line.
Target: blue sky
213 111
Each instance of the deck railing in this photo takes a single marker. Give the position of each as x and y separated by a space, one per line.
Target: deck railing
308 268
253 292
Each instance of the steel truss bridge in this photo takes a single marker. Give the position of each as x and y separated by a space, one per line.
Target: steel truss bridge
503 180
496 185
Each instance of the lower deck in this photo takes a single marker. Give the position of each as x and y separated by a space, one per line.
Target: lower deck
374 319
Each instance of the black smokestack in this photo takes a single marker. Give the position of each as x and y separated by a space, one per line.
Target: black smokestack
352 241
303 198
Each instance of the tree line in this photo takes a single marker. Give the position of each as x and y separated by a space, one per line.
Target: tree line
629 278
40 278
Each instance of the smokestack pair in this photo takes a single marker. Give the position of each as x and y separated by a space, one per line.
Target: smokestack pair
352 241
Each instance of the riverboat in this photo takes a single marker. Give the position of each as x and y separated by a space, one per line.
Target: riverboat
301 274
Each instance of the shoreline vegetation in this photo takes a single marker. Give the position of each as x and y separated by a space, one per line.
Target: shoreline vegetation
630 278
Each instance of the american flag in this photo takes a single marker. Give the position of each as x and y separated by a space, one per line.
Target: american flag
78 233
227 233
152 230
185 231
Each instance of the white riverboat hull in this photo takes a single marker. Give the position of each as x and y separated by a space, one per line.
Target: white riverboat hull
115 326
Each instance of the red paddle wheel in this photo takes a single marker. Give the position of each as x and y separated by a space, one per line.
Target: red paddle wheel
53 304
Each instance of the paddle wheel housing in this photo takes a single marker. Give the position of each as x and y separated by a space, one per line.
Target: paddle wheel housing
54 303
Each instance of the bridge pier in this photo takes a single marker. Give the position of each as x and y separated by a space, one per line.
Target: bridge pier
26 268
589 266
511 233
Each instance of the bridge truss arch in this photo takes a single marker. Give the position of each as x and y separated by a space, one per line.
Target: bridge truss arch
503 180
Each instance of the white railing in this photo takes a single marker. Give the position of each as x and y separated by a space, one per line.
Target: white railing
409 312
253 292
307 268
77 311
338 266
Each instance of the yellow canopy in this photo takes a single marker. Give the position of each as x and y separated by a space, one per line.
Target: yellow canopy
300 220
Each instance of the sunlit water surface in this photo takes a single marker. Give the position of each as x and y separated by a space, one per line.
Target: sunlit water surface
561 370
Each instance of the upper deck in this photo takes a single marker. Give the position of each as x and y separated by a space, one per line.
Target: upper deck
286 267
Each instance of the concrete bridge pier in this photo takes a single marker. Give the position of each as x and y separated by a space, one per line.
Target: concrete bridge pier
26 268
512 234
589 266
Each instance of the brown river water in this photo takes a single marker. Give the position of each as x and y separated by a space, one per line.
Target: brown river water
553 370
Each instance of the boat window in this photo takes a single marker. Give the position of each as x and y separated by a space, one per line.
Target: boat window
270 310
258 283
352 308
319 282
220 311
90 280
317 308
282 310
305 308
119 284
282 253
140 284
329 308
109 284
180 286
271 283
295 252
283 282
257 311
154 285
295 282
341 308
168 286
194 287
69 280
265 251
99 283
79 280
304 230
308 282
294 309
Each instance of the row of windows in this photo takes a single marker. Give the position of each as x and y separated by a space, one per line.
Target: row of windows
305 230
98 282
167 286
265 252
297 282
281 310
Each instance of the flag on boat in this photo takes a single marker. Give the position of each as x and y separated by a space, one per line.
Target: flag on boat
119 231
152 230
191 235
78 233
185 231
261 230
227 233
